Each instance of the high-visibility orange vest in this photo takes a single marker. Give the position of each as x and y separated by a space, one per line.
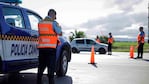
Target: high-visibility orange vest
141 38
110 40
47 37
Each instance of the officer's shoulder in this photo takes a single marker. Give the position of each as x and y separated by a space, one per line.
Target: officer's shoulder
55 21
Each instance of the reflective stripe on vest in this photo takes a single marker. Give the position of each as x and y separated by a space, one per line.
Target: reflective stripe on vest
45 45
47 37
47 34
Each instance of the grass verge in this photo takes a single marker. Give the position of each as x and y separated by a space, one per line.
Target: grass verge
125 46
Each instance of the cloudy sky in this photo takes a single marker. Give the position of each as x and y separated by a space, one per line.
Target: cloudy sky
96 17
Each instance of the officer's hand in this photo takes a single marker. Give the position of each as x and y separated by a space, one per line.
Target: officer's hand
60 34
139 42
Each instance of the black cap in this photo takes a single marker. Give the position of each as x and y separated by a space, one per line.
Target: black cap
141 28
51 12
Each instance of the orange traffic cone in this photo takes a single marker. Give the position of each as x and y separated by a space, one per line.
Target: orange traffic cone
131 52
92 60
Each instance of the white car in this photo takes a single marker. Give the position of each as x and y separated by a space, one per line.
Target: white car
85 44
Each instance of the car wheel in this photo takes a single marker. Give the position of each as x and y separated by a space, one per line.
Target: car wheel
102 51
78 51
63 64
74 50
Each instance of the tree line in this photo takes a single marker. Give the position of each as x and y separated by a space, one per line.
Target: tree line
81 34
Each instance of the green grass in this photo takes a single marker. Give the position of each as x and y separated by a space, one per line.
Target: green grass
125 46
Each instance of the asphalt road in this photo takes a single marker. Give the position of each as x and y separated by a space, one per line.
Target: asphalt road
118 68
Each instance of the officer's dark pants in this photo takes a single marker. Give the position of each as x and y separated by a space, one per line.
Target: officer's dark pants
110 48
47 58
140 50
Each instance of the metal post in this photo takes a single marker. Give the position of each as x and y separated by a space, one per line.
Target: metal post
148 22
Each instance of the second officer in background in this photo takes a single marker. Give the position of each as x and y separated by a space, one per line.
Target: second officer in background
141 41
110 41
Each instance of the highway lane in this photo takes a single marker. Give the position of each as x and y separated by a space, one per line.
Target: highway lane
118 68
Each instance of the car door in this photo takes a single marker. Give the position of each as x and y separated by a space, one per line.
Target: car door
89 44
80 44
19 45
33 20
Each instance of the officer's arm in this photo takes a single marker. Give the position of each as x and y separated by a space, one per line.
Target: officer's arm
142 36
57 28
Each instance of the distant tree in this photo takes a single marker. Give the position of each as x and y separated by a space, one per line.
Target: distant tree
103 39
71 38
77 34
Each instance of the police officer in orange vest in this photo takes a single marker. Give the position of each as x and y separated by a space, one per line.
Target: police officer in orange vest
48 41
140 41
110 41
97 39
